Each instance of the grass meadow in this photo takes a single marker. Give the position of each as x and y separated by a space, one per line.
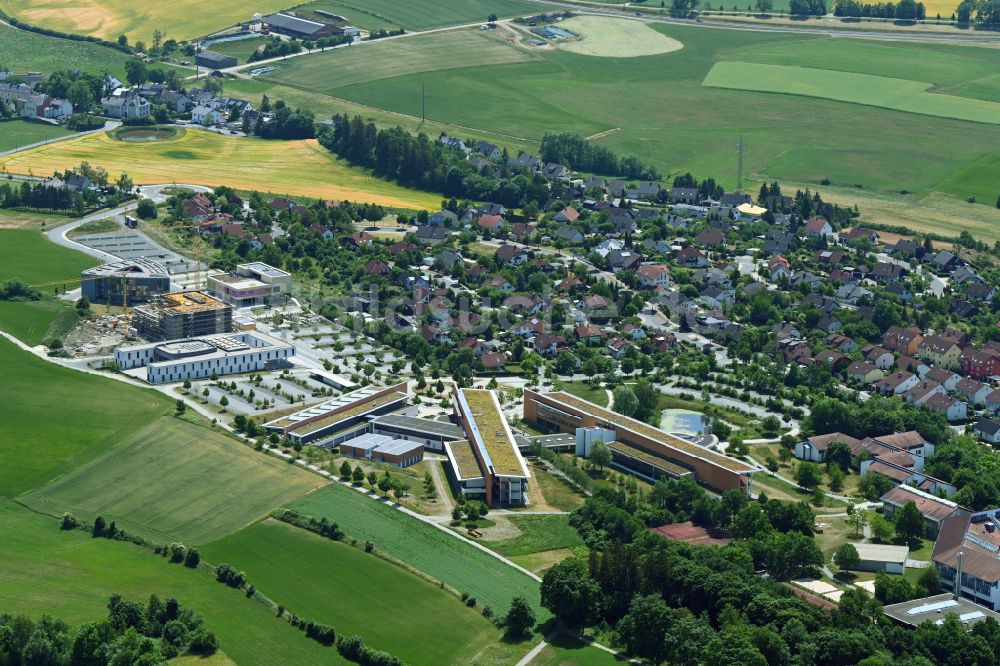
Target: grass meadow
70 575
33 258
48 421
423 15
180 19
661 111
881 91
356 592
538 534
174 480
564 650
27 51
424 547
295 168
240 49
17 133
615 38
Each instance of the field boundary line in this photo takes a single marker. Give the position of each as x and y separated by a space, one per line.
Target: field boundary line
601 135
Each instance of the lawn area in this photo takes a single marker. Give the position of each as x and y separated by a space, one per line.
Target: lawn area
20 219
33 52
424 547
585 391
565 650
70 575
94 227
337 68
556 491
608 37
17 133
296 168
375 14
356 592
180 20
538 533
890 93
174 480
48 424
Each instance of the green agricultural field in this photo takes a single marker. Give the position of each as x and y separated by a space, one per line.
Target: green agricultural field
70 575
174 480
897 94
423 15
31 257
356 592
27 51
615 38
538 533
180 19
18 133
48 423
423 547
337 68
662 113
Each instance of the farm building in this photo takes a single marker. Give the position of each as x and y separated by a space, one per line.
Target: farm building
184 314
213 60
636 442
293 26
132 281
384 449
204 356
343 418
502 478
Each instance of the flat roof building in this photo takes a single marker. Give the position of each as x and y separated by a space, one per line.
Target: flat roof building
335 421
132 281
567 413
882 557
500 464
430 434
251 285
384 449
933 609
201 357
293 26
185 314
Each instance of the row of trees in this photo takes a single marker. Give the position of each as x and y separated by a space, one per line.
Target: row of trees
419 162
982 12
131 634
574 151
904 10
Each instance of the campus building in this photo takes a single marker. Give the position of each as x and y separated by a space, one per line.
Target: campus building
201 357
636 445
384 449
251 285
128 282
967 549
487 465
185 314
342 418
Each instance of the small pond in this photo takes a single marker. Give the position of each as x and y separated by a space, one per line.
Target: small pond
145 134
683 420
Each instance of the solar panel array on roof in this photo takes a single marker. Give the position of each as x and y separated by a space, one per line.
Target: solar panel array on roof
931 608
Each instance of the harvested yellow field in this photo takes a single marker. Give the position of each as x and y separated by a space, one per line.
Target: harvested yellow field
177 19
608 37
199 157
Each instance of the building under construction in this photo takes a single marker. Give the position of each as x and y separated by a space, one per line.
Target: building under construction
185 314
128 282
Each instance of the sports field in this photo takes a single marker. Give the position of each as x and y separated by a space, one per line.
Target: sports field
424 547
48 424
663 114
174 480
199 157
70 575
17 133
28 255
615 38
422 15
179 19
356 592
897 94
327 71
33 52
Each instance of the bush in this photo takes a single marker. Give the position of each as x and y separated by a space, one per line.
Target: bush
84 122
204 642
146 210
177 552
471 602
69 522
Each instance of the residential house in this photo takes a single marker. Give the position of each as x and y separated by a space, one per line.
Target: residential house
945 378
588 334
939 351
443 218
492 223
945 261
653 275
863 373
549 344
880 357
688 195
128 105
488 150
493 361
978 291
623 260
711 239
814 448
818 227
841 342
500 282
974 392
903 340
897 383
988 429
949 407
511 256
884 271
205 115
923 391
431 235
558 172
834 359
567 214
692 257
569 234
359 239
